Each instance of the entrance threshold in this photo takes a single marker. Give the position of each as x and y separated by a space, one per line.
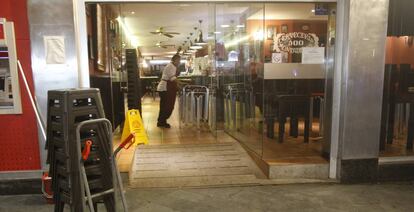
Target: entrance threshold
193 165
305 168
396 160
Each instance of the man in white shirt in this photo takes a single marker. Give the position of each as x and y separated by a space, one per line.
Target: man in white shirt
167 89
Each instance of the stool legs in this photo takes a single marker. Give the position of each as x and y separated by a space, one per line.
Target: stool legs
294 128
391 120
308 123
282 121
270 124
410 136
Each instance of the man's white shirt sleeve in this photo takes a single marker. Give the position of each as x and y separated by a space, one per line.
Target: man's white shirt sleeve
167 74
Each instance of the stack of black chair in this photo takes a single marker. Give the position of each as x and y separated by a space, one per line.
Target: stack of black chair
134 82
66 109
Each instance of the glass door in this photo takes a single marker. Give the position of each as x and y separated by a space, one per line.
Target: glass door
238 61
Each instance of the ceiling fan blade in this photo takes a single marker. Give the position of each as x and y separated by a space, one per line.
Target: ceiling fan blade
154 33
164 47
173 33
168 35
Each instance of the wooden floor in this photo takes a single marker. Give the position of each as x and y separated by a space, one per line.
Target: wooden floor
292 151
160 136
177 134
397 148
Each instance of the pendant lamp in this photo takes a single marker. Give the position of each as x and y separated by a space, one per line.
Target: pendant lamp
199 40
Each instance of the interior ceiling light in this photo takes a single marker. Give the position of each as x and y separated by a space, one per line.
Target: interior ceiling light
132 39
144 63
240 26
217 32
189 42
199 40
192 46
195 46
160 61
225 26
132 12
236 41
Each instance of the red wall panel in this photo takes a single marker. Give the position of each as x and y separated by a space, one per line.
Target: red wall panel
19 147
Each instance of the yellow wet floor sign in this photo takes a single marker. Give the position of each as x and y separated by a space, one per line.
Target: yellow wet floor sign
133 124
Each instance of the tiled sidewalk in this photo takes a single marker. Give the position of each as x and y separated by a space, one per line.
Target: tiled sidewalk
298 197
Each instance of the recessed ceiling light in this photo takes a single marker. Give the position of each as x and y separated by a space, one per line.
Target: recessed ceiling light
313 11
217 32
240 26
225 26
132 12
196 47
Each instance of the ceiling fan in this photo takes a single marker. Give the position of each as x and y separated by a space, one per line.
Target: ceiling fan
160 31
161 45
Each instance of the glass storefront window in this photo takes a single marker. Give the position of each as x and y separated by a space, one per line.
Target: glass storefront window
397 127
265 65
272 60
296 62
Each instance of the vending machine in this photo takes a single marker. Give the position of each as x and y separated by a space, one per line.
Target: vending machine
10 102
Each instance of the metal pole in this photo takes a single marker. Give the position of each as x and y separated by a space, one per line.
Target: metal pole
311 114
188 108
226 111
199 102
321 116
233 110
193 109
206 111
35 108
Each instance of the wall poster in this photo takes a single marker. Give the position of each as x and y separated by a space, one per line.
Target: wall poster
313 55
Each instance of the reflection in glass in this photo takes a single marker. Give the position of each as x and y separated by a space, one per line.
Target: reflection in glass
397 120
239 47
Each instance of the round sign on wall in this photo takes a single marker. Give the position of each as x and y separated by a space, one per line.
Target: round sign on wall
294 42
